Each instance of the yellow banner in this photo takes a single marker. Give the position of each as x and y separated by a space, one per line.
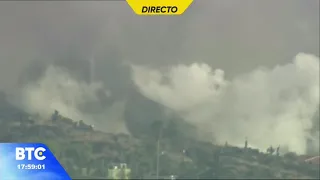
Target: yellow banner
159 7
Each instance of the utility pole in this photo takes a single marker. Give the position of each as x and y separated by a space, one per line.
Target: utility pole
158 151
158 157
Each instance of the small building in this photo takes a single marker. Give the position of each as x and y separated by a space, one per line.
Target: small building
119 172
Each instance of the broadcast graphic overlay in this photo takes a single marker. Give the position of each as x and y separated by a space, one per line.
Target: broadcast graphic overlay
29 161
159 7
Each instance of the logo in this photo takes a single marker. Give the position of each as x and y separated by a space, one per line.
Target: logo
29 161
29 153
159 7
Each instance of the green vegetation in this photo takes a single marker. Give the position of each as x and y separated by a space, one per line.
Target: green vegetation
86 153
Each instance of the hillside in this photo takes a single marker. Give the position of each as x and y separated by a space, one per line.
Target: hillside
87 153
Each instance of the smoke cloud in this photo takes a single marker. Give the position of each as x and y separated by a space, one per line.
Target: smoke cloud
269 106
46 48
56 89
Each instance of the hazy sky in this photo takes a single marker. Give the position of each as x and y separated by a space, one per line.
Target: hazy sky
233 35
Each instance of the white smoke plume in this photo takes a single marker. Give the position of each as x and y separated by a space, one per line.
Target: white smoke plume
268 106
58 90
